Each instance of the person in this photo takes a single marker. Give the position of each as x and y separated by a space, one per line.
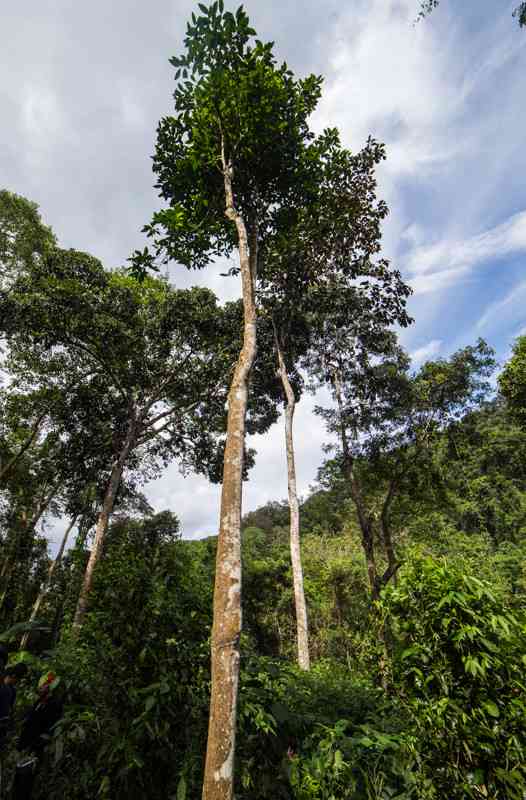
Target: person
42 716
4 657
8 685
36 728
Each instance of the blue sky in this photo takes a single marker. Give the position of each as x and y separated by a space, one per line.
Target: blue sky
450 108
86 84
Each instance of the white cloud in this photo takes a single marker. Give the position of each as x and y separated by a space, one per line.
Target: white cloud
447 101
446 96
426 352
506 310
43 118
437 281
437 267
420 90
505 239
384 80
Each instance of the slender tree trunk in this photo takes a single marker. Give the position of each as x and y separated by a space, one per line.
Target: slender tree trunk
102 526
364 519
6 469
295 550
392 562
367 530
47 583
28 528
226 629
73 579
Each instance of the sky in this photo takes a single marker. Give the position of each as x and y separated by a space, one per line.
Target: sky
83 85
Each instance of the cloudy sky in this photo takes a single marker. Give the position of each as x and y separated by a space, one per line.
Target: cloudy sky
83 86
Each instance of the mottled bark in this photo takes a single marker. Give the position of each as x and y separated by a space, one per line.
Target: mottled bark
294 507
226 630
47 583
102 525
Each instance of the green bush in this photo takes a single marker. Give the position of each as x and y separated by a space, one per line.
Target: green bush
136 680
320 735
458 666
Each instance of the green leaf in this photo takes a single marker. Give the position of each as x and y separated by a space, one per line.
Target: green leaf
181 788
150 702
366 741
59 749
492 708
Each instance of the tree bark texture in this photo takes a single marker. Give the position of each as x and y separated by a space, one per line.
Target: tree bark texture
102 526
47 583
295 549
226 629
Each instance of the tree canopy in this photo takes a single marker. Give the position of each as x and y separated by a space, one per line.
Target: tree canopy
382 649
512 381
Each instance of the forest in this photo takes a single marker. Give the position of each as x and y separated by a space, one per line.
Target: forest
366 641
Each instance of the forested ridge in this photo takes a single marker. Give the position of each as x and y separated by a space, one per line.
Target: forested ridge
366 641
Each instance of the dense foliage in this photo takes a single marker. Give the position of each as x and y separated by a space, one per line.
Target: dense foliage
450 722
413 540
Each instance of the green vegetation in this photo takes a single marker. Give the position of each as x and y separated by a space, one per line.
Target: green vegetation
407 561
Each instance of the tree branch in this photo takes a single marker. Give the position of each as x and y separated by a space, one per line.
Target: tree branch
29 441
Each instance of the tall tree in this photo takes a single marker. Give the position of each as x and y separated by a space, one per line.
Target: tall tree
44 588
512 382
22 421
24 239
29 494
302 629
228 160
313 252
152 359
387 418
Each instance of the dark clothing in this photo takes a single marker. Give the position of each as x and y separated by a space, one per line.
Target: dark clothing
38 724
36 727
24 779
7 702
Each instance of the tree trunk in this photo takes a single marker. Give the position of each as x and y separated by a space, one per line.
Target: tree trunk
364 520
372 573
45 587
6 469
392 562
295 550
73 579
226 629
102 526
28 528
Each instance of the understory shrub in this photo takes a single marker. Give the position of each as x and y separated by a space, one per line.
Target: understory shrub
458 664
